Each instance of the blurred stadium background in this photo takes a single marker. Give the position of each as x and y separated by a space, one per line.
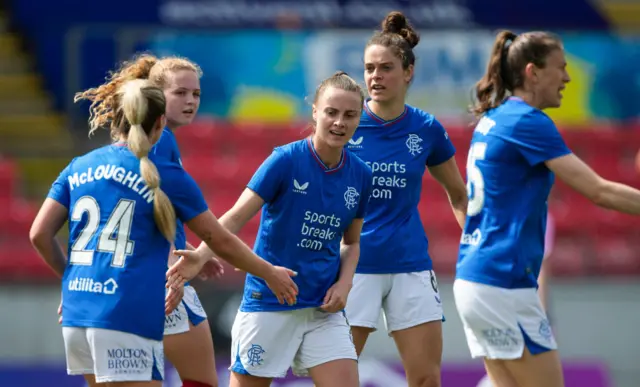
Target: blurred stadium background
260 60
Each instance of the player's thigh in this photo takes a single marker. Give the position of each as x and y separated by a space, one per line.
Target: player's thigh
327 352
192 354
498 375
500 323
365 300
420 349
125 357
78 351
413 300
489 319
240 380
543 369
264 344
91 380
342 372
360 336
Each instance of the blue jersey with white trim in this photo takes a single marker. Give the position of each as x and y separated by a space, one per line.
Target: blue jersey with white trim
307 209
509 183
167 147
398 152
115 273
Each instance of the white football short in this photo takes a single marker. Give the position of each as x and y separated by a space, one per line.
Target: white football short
499 322
189 310
267 344
407 300
112 356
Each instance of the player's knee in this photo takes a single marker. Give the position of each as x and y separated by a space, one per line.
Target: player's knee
424 378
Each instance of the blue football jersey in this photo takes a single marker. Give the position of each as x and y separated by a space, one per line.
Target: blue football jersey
167 148
115 273
508 182
307 209
398 152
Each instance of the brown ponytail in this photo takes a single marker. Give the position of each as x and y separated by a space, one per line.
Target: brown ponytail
492 87
510 56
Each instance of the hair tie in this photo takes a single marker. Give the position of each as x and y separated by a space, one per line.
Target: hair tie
507 44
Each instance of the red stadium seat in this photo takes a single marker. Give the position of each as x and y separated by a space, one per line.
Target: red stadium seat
19 261
222 157
443 249
573 214
568 258
8 178
200 138
616 255
16 216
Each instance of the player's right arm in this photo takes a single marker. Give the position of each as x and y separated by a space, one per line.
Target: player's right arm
230 248
540 142
191 207
604 193
247 206
50 219
265 183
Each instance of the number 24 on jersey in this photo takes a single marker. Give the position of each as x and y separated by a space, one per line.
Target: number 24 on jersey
113 238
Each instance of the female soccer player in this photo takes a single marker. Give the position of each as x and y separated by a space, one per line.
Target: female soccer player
399 142
121 227
515 151
313 196
188 343
543 281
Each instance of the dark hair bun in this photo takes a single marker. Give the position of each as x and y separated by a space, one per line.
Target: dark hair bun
397 23
339 73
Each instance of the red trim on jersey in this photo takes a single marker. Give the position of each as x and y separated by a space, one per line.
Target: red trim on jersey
321 163
380 120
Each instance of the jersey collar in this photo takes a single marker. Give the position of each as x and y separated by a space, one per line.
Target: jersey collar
321 163
379 119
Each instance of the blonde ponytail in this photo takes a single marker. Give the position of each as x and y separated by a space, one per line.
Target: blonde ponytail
135 106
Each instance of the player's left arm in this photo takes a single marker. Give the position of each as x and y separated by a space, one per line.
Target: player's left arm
48 222
443 167
448 175
604 193
336 297
543 285
350 252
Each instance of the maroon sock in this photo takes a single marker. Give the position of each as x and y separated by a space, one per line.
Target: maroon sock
191 383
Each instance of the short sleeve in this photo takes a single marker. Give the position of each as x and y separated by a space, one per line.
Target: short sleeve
441 147
538 139
167 147
268 179
60 191
365 195
182 190
175 155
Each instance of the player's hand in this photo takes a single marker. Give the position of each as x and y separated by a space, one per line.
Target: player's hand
336 298
281 284
173 298
187 267
212 269
60 313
